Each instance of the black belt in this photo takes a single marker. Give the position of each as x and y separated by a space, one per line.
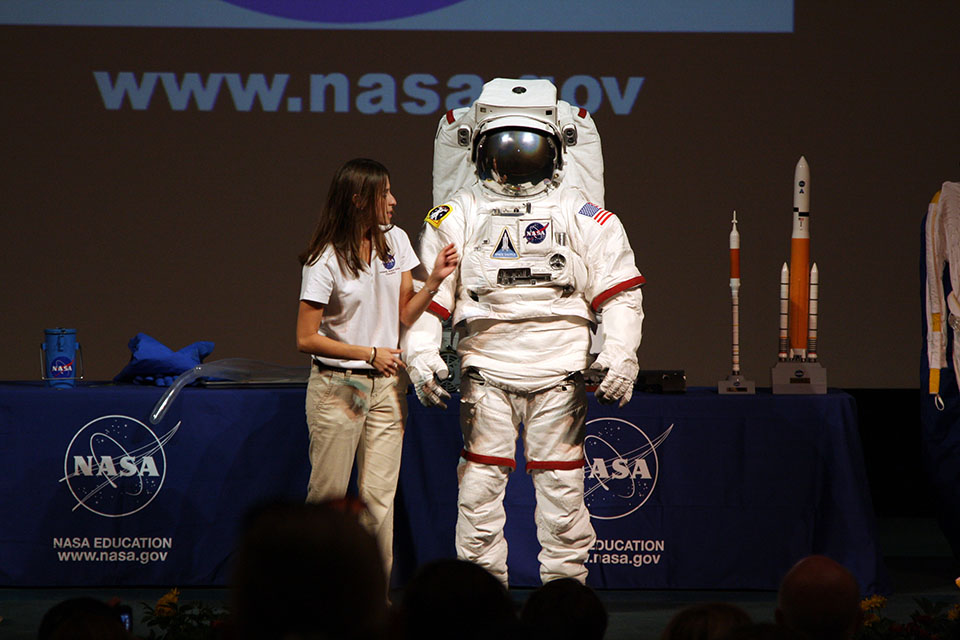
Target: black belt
369 373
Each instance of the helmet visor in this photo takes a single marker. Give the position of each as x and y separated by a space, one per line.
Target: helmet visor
516 162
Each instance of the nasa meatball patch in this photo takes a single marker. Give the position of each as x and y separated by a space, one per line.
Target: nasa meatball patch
436 215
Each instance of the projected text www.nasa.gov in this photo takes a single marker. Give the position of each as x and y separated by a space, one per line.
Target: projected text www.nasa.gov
371 93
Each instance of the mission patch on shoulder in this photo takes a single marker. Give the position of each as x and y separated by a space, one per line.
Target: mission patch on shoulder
436 215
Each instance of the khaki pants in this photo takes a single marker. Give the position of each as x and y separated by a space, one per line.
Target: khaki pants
351 415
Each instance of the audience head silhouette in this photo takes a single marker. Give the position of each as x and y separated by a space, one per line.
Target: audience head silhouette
705 621
453 598
762 631
819 598
82 619
308 571
564 609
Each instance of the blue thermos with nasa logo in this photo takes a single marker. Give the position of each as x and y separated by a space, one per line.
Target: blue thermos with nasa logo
61 357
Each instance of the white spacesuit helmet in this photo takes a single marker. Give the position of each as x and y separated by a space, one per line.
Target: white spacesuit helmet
517 148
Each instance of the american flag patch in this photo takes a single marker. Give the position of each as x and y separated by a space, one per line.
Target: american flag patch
593 211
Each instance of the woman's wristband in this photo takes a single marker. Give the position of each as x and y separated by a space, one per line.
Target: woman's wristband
373 355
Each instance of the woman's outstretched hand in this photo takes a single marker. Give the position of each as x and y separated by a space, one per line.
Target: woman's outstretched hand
443 266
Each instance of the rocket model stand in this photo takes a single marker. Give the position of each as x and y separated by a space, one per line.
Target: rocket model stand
798 371
735 383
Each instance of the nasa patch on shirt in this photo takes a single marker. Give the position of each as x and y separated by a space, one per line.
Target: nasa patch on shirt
436 215
389 265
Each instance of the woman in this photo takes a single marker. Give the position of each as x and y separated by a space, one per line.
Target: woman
355 291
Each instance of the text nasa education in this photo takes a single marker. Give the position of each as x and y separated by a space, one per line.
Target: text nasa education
614 552
371 93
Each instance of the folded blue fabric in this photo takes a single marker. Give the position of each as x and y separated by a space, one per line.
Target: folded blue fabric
152 362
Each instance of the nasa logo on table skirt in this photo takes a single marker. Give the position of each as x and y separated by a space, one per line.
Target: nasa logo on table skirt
115 465
621 467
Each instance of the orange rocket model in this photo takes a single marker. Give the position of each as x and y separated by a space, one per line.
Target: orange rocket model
798 299
798 369
800 260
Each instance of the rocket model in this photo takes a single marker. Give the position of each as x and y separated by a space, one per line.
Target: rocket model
799 296
799 307
735 292
812 322
735 382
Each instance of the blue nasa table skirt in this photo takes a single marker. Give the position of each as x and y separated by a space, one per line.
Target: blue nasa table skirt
690 491
171 515
687 491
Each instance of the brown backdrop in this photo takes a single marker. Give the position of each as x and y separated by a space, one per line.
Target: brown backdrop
186 224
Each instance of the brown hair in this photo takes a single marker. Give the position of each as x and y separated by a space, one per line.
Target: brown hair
344 222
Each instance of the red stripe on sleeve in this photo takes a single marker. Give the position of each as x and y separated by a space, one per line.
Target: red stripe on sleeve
450 117
438 310
614 290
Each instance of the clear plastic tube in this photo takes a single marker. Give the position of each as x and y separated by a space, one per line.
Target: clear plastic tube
234 369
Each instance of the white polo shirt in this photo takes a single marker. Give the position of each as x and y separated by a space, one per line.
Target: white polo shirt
364 310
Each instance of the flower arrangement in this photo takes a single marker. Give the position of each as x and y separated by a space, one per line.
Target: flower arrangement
170 620
931 621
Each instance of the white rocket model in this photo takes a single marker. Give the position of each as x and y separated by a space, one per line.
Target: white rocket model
735 292
784 312
735 383
812 321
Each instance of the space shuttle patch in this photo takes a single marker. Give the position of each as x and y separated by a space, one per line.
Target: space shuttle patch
436 215
505 248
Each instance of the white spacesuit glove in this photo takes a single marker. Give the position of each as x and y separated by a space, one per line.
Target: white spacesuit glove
622 320
425 370
621 374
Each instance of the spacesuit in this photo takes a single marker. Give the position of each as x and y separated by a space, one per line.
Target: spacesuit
540 262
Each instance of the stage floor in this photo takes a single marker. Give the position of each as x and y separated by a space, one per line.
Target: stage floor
916 554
